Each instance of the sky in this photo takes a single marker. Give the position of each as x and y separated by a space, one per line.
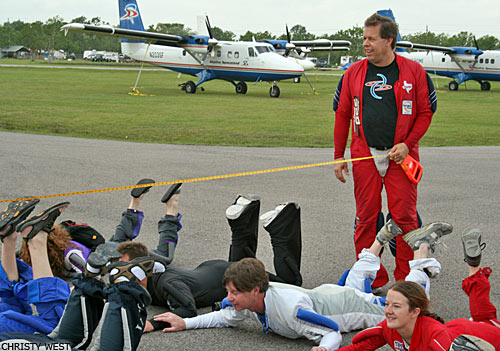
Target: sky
480 17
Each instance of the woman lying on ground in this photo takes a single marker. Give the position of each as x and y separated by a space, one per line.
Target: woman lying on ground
409 325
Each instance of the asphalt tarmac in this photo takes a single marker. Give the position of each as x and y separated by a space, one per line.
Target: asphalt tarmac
459 185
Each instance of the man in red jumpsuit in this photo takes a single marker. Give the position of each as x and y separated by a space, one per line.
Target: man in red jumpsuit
388 101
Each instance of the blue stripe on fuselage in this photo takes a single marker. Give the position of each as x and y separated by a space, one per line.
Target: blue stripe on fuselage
234 73
474 75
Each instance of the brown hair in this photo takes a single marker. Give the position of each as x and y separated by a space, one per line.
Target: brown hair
247 274
133 249
57 242
417 298
388 28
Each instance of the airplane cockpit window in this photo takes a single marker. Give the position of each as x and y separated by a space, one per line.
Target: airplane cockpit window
251 52
218 53
236 54
229 54
262 49
271 48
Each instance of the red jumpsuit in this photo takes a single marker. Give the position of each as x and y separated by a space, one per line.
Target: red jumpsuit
430 334
412 91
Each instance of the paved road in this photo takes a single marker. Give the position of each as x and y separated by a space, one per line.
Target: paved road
459 185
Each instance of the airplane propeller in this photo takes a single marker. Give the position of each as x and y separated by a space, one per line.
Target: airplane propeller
212 41
289 46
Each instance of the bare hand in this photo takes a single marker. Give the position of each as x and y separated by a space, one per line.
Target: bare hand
399 152
340 169
148 327
176 322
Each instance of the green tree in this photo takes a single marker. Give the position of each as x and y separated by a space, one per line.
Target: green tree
221 34
299 32
171 28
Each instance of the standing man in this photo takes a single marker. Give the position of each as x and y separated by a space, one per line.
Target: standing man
389 100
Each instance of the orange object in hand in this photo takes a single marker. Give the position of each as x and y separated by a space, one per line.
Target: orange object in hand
412 168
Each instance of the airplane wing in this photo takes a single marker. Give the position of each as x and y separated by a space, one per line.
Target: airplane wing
153 38
410 45
321 43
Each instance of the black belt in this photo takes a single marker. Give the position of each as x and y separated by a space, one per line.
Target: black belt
382 148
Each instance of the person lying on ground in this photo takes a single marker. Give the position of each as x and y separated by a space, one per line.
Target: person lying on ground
409 325
32 298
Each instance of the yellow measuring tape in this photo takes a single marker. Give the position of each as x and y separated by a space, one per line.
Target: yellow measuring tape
192 180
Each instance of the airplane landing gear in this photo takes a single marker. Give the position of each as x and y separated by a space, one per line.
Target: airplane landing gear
241 88
453 86
296 80
274 92
189 87
485 86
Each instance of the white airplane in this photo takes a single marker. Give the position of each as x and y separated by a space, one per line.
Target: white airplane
460 63
202 56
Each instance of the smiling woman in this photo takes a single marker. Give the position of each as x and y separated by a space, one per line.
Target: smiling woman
409 325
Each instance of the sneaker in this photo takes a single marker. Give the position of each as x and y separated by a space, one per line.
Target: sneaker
429 234
470 343
135 270
471 241
269 216
98 260
389 231
242 201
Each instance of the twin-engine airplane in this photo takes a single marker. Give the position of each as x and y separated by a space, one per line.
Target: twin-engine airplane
202 56
460 63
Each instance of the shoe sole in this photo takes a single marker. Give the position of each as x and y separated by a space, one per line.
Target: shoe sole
430 234
103 254
15 213
471 241
136 192
470 343
36 220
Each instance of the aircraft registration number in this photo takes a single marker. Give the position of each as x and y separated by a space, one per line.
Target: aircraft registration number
156 54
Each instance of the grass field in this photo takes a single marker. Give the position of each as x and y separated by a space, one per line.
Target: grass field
96 104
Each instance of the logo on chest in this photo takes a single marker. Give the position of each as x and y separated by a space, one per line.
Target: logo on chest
399 346
378 85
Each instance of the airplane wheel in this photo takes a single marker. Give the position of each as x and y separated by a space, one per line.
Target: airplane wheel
485 86
190 87
241 88
274 92
296 80
453 86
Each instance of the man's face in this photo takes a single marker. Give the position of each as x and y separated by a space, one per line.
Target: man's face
377 50
242 300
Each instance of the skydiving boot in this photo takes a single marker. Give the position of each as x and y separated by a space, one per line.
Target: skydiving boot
243 218
82 312
283 225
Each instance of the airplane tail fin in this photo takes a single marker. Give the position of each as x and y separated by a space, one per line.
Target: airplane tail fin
130 17
388 13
